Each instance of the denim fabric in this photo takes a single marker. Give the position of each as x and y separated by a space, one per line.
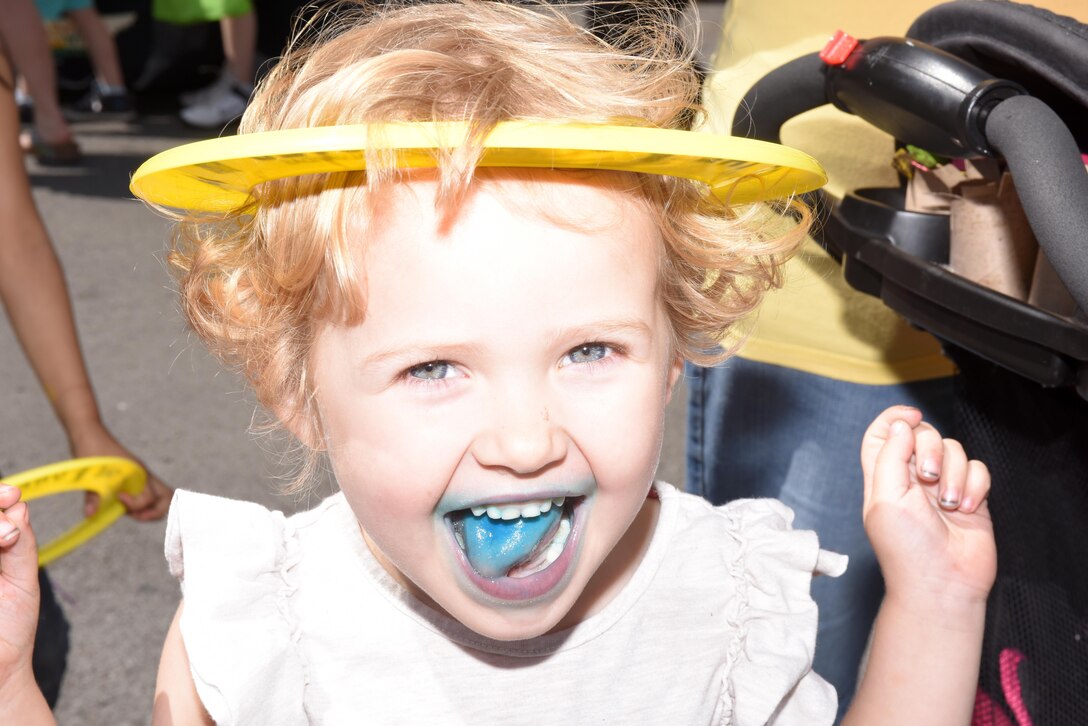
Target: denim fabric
760 430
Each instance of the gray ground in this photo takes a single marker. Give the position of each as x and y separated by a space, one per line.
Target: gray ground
161 395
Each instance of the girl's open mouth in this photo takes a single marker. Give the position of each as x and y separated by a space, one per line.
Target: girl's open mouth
517 551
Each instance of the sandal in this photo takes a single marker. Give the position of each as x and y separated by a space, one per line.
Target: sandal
58 153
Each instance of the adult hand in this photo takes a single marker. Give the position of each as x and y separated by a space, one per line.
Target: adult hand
150 504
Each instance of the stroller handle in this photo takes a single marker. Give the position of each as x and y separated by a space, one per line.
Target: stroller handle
926 96
1051 181
790 90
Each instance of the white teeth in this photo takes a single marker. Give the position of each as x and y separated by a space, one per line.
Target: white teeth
528 509
563 532
554 550
550 554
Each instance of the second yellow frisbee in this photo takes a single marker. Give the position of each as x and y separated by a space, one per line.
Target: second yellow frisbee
105 475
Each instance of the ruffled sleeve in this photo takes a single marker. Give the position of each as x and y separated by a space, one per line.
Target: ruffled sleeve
234 560
768 678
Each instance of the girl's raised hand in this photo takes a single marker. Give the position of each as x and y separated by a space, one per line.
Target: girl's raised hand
925 512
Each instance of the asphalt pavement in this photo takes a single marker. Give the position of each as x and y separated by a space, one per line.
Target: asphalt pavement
162 396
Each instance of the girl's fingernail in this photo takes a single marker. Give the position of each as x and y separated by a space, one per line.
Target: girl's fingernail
930 469
899 427
967 505
7 531
5 489
949 500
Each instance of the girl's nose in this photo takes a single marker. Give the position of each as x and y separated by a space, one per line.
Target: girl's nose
524 440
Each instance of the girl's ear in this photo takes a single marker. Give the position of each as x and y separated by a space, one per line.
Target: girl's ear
676 367
307 431
302 419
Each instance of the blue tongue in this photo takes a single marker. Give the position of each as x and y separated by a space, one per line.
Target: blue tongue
493 546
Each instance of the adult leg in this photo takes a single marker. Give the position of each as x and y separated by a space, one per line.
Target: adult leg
228 97
100 46
240 45
107 97
24 40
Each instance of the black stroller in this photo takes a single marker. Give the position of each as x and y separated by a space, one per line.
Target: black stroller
986 78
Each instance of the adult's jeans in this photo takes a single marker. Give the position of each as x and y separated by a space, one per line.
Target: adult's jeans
761 430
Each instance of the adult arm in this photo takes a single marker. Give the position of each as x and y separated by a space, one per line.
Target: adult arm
35 297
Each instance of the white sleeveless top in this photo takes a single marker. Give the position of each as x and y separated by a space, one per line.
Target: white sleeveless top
293 621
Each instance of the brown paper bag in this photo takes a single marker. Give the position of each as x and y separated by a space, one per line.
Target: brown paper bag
1048 291
931 191
991 241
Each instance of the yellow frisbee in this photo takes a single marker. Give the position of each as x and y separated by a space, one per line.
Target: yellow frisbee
218 175
107 476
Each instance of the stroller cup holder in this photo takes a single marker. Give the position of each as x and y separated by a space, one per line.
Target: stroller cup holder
901 257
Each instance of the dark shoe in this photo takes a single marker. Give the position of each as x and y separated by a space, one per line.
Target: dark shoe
59 153
96 105
26 108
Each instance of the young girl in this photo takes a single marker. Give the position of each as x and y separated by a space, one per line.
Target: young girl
485 355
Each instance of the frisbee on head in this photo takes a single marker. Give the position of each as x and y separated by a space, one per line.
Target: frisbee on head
218 175
107 476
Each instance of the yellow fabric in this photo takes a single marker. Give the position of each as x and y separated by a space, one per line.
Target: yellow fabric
817 323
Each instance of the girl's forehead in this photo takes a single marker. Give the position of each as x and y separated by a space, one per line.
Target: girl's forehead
516 262
522 201
580 199
504 214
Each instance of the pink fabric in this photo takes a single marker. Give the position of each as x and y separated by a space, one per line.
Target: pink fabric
987 711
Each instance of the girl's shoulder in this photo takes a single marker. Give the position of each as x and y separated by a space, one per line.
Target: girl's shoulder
746 563
238 563
758 530
234 538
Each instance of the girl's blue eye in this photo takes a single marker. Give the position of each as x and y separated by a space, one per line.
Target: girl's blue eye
435 370
588 353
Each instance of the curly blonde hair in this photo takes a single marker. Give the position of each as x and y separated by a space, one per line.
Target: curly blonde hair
257 283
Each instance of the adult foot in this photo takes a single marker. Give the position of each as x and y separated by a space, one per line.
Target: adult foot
61 152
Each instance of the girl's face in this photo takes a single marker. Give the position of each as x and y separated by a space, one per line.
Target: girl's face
496 420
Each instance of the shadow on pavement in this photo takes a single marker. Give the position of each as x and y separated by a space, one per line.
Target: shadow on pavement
111 153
